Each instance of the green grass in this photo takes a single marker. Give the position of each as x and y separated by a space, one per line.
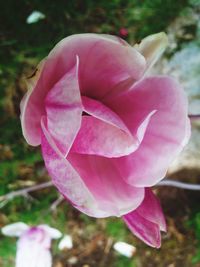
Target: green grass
122 261
195 224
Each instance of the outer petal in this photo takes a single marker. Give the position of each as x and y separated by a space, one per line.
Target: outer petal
151 210
64 110
106 184
14 229
33 249
99 196
104 61
105 134
145 230
52 232
152 47
147 220
66 179
116 61
99 138
31 109
166 134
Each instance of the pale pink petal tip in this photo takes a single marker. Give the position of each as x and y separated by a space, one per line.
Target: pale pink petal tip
14 229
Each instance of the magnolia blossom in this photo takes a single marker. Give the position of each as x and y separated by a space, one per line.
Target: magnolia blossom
33 246
108 132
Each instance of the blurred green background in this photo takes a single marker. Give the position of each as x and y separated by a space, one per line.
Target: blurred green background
22 46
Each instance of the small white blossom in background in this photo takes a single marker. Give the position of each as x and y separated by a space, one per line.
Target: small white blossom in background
34 17
65 243
124 249
33 246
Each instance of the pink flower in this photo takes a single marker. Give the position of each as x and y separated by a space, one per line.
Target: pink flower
123 32
33 246
107 132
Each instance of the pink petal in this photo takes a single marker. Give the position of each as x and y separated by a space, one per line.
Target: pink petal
104 181
147 220
33 249
31 108
105 134
99 138
116 61
104 61
99 196
145 230
67 179
64 110
166 134
151 210
98 110
14 229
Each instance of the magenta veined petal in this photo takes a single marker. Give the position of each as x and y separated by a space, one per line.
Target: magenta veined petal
145 230
116 61
31 109
151 210
166 134
82 191
104 133
107 186
147 220
98 110
97 137
66 178
64 110
104 62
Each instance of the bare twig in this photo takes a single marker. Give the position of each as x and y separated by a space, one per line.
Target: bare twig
22 192
194 116
179 185
57 202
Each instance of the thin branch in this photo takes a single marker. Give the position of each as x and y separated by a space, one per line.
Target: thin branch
57 202
23 192
179 185
194 117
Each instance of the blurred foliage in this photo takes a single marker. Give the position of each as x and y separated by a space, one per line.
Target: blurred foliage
195 224
64 18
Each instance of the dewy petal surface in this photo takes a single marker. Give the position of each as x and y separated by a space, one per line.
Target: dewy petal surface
64 110
104 181
166 134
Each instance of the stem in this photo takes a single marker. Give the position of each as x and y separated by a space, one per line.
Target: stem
179 185
194 117
25 191
57 202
